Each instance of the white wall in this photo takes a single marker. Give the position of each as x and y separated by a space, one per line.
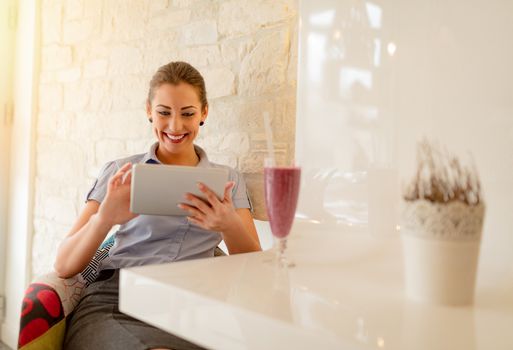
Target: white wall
21 171
6 45
376 76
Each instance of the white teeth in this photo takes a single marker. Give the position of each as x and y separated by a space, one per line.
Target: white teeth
175 138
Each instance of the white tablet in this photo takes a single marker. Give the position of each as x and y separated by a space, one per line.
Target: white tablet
157 189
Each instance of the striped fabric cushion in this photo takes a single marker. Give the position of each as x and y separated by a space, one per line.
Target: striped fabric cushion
91 271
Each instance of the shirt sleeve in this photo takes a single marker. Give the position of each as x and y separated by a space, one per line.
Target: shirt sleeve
240 196
99 188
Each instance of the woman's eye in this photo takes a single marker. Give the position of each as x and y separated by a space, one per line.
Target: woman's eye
188 114
165 113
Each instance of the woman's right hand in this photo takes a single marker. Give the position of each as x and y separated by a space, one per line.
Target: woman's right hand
115 208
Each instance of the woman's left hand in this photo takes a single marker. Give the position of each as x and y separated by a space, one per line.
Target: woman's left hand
212 214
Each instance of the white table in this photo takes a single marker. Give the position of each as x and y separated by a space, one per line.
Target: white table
346 292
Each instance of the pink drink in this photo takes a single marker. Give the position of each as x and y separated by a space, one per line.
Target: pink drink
281 192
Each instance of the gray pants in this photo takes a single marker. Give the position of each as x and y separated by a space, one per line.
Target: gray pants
97 323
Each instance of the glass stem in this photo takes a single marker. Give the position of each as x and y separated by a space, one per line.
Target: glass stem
282 245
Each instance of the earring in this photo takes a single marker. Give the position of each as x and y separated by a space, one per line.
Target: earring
202 123
150 120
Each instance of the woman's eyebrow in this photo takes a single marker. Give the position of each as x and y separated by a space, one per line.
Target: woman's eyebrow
163 106
188 107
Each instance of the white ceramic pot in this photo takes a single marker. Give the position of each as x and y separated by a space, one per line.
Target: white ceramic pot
441 250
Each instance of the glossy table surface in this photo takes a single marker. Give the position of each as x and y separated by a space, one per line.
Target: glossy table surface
346 291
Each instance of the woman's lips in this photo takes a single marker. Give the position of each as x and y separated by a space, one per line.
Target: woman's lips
175 138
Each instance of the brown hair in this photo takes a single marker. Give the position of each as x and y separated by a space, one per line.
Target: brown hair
176 73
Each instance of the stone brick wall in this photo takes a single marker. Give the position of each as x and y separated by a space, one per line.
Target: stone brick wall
97 57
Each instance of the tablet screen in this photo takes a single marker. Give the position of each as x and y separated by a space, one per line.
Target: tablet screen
157 189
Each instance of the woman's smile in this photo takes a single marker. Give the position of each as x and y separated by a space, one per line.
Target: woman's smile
174 137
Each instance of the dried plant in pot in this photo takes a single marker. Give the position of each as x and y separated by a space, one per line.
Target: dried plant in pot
441 225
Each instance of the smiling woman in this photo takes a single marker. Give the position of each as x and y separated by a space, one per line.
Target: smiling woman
176 108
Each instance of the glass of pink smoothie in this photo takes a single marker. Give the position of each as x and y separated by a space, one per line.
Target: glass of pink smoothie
281 183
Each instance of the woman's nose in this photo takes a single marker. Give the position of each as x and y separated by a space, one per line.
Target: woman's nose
175 123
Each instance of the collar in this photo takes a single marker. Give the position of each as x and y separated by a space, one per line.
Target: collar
151 156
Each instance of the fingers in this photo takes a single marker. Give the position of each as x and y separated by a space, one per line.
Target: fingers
115 179
127 178
195 212
120 174
211 196
121 171
197 222
197 217
199 204
228 191
214 214
124 168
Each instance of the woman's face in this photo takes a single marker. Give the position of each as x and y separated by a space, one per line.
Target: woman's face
176 113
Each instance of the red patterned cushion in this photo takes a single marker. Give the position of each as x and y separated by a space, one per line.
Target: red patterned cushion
41 310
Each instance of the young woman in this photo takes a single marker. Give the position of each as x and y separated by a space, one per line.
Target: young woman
176 107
